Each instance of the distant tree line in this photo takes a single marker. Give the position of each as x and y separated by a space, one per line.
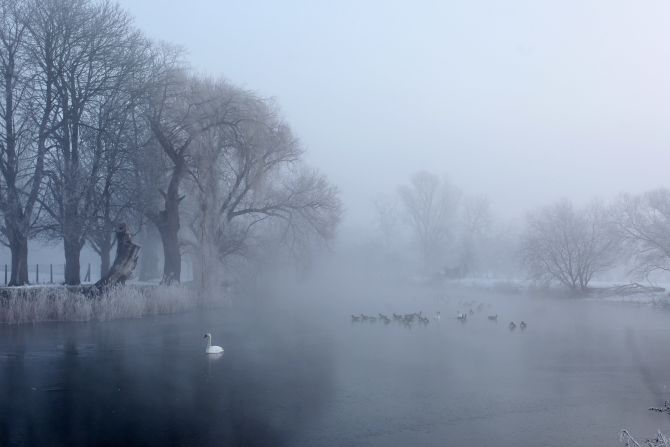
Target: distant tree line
100 125
570 245
456 235
453 233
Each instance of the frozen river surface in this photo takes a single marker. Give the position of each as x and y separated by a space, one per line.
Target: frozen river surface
297 371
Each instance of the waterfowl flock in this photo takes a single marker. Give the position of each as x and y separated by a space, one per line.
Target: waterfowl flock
420 318
405 319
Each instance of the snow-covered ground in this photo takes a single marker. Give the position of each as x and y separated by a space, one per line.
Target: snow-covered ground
606 291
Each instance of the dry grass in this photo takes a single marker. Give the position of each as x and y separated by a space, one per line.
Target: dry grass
33 304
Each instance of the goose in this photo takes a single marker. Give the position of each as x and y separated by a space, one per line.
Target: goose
523 325
211 349
512 326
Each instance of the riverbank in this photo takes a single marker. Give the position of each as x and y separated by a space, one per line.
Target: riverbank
33 304
606 291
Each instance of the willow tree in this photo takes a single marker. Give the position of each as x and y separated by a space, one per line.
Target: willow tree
174 119
250 186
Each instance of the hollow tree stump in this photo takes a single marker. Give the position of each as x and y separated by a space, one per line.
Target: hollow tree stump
125 262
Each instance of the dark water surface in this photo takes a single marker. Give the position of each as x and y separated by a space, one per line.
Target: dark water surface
296 371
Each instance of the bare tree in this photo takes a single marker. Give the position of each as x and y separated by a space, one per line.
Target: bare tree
643 223
176 117
249 180
569 245
430 205
97 55
115 194
121 135
25 117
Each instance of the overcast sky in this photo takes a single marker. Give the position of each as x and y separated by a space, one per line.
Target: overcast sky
524 101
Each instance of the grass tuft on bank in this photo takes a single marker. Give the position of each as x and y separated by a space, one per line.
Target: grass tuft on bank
34 304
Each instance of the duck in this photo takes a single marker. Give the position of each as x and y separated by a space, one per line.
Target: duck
493 317
523 325
462 316
212 349
512 325
438 316
355 317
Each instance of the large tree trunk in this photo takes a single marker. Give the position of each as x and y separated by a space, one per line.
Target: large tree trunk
167 222
72 267
169 231
127 254
19 250
105 259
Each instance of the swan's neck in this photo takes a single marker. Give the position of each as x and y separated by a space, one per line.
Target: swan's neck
209 342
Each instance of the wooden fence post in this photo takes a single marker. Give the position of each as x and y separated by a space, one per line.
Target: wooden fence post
37 273
51 273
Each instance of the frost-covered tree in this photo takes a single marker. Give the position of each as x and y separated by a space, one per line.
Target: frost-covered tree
27 99
250 186
569 245
95 54
643 222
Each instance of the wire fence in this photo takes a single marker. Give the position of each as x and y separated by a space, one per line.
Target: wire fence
53 273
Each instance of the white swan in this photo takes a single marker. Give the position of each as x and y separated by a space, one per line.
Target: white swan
212 349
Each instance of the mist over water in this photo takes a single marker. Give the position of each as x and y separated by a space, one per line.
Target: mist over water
406 223
297 371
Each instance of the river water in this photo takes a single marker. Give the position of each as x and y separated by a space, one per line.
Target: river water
297 371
